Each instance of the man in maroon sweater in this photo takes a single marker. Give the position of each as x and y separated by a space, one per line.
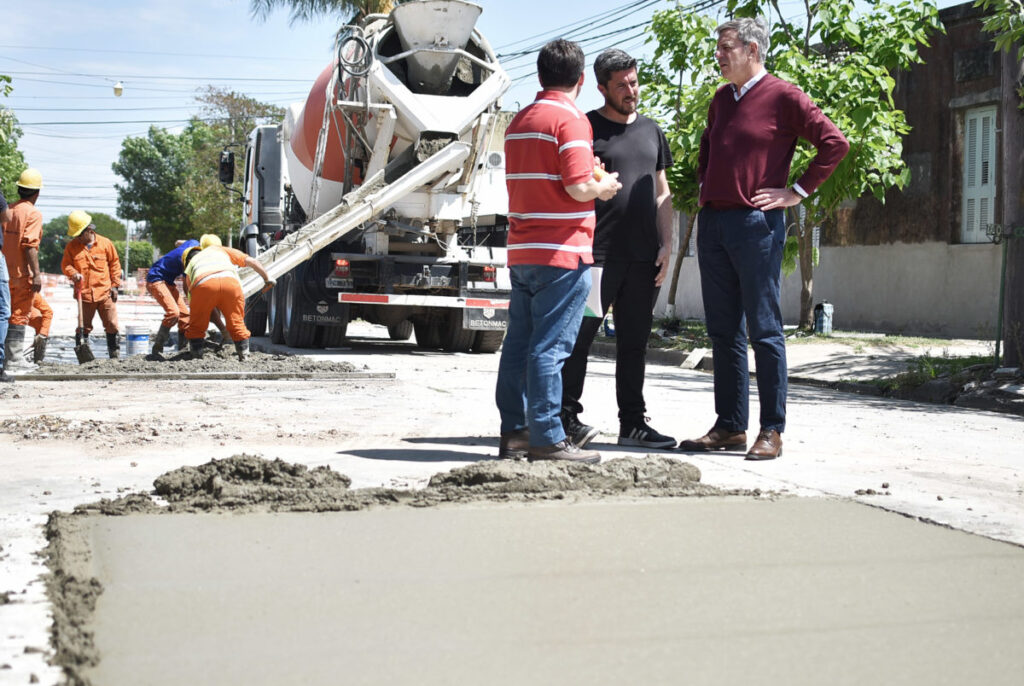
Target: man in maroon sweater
754 122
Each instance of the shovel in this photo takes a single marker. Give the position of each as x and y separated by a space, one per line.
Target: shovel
82 349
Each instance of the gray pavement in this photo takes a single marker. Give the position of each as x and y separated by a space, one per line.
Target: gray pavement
935 463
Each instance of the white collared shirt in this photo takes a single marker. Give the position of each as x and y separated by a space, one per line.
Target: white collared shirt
749 84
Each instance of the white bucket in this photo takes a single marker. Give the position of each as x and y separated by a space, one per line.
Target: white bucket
137 338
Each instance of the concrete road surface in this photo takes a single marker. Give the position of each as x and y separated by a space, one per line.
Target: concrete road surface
955 467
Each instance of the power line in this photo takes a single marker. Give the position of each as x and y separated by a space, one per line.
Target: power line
95 50
143 78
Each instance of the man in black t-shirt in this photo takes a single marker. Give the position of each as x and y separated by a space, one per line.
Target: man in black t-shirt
632 242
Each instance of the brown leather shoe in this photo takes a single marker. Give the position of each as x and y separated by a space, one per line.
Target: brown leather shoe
716 439
768 446
563 450
514 444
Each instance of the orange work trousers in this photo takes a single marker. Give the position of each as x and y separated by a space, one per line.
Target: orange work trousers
107 311
225 294
21 300
41 315
175 309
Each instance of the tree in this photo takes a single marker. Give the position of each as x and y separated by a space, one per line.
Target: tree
308 10
153 168
171 180
1006 24
140 255
842 57
12 161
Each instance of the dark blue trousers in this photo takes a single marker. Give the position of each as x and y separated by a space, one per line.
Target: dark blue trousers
740 257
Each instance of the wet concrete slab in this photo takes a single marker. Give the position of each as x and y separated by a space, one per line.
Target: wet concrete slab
658 590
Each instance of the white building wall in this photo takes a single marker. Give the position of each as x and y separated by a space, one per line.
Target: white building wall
932 289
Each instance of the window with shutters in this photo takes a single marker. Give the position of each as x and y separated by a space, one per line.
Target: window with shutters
979 182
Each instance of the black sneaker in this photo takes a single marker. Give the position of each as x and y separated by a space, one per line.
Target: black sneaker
578 433
638 434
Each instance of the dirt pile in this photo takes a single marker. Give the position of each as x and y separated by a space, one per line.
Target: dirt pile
249 480
250 483
222 359
147 430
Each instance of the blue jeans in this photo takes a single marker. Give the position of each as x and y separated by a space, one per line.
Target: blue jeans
740 257
5 306
544 317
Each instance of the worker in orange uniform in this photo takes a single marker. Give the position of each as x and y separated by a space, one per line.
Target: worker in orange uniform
39 319
21 251
211 279
91 262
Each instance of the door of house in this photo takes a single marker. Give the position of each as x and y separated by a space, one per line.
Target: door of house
979 182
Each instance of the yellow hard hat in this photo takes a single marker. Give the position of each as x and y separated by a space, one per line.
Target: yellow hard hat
78 221
208 239
187 252
31 179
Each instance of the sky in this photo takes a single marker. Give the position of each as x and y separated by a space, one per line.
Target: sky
65 57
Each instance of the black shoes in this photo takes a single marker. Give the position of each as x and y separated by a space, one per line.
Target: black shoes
578 433
639 434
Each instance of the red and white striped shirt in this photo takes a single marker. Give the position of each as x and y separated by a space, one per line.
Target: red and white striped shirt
548 146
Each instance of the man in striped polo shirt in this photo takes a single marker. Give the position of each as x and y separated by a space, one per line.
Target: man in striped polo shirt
549 163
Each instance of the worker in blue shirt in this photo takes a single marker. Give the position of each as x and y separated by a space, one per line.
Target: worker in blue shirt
160 284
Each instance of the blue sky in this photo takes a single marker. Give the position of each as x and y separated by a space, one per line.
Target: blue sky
66 56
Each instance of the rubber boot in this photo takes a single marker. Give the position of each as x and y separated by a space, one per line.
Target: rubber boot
160 339
39 348
242 348
182 340
196 348
113 346
14 351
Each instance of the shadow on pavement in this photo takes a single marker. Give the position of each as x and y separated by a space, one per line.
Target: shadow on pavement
420 455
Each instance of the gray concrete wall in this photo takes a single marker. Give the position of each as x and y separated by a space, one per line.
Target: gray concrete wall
933 289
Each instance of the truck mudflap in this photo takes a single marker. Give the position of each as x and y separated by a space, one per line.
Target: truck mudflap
478 314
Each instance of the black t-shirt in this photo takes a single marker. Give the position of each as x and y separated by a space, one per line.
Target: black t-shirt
627 229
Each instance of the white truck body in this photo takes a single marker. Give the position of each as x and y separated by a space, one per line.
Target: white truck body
383 195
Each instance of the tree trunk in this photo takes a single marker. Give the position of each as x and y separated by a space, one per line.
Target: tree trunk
1013 304
680 255
806 233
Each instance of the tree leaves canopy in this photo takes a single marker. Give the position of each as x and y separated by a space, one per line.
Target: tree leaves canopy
308 10
171 180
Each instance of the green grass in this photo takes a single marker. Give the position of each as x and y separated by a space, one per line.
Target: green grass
924 368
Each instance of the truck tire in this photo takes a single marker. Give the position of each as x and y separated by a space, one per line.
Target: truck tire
428 335
333 336
256 315
401 331
330 336
454 338
274 315
488 341
297 333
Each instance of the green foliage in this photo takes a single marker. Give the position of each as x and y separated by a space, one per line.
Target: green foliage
140 254
171 180
12 161
308 10
842 55
1006 24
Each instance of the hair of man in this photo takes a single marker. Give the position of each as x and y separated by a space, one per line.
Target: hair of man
611 61
560 64
749 30
27 193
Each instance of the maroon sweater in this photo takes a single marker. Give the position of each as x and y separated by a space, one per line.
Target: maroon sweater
749 143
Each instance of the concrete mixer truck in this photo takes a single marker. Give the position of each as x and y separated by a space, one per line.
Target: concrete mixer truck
382 196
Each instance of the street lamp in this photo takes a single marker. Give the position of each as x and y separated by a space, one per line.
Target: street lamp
118 89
